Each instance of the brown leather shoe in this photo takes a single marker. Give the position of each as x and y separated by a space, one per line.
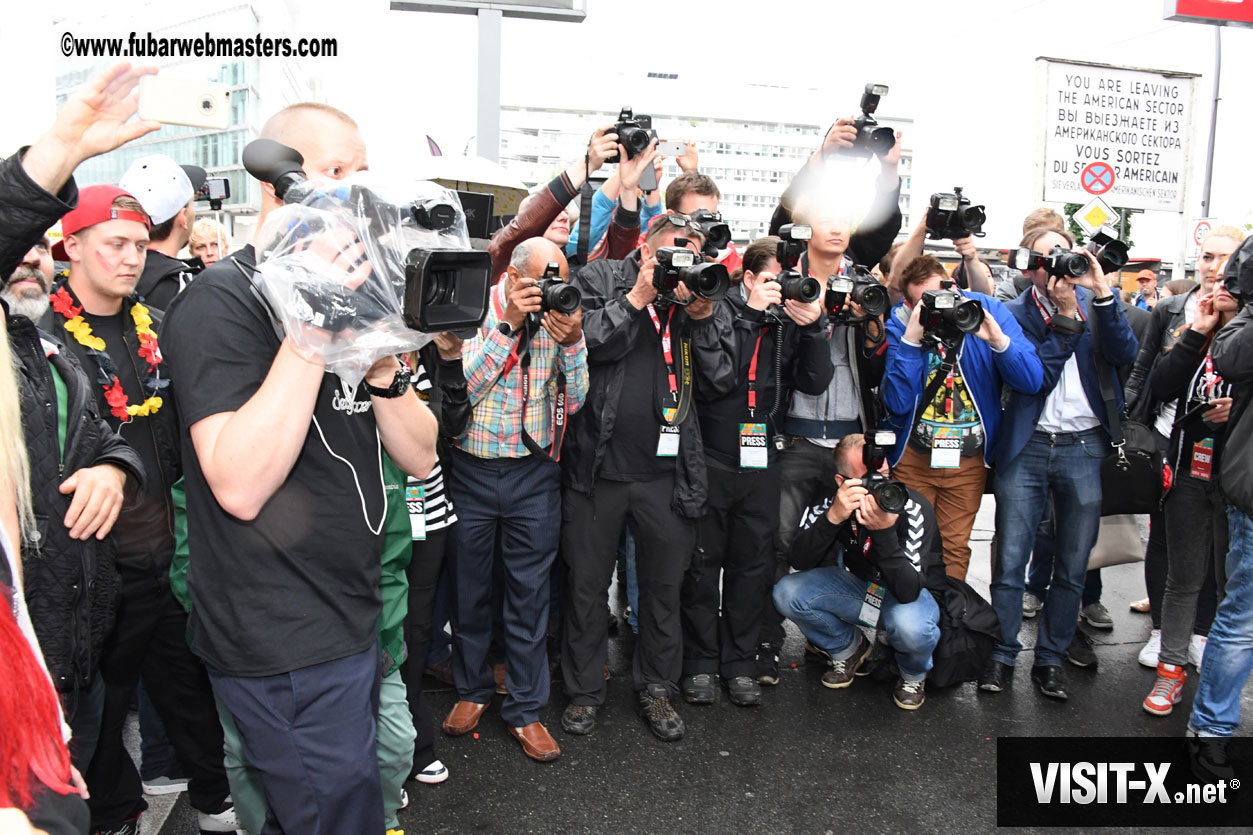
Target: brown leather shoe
537 742
463 718
498 673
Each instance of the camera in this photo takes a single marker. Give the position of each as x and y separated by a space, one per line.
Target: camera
793 240
556 293
717 233
871 137
445 287
1060 262
634 133
891 496
951 216
858 286
946 313
678 265
1110 252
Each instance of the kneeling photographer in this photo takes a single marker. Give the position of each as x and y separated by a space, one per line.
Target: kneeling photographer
868 559
635 451
942 393
780 341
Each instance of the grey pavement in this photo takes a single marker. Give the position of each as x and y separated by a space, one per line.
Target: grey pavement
809 760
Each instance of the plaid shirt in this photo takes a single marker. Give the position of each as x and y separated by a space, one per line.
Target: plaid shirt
496 427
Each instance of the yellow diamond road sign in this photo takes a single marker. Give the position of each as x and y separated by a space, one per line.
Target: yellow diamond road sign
1095 214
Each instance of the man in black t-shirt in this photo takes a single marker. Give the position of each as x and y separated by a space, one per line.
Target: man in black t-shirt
115 338
286 504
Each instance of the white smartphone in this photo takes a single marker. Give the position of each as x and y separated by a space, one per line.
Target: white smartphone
185 101
672 148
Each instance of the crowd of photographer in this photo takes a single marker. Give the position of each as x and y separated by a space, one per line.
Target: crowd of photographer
263 482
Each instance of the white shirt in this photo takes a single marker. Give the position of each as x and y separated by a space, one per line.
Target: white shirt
1166 417
1066 409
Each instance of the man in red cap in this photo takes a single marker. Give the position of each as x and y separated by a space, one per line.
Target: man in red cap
115 337
1148 296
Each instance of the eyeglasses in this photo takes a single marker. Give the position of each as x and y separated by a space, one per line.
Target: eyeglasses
677 220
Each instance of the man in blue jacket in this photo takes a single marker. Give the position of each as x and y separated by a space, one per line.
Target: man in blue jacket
942 392
1050 448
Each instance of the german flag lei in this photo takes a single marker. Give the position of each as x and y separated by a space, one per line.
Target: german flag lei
63 303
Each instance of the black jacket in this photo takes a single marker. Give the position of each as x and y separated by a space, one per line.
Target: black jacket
610 327
802 363
153 549
447 399
1233 359
1171 381
906 558
162 279
869 243
71 584
1166 322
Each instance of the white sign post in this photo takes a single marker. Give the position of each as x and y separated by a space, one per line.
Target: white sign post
1200 227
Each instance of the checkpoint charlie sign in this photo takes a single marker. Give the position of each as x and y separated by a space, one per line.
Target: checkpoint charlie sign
1121 133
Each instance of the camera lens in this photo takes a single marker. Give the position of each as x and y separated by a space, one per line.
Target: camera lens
973 218
891 496
873 298
634 140
709 281
562 298
1076 265
805 290
968 315
881 140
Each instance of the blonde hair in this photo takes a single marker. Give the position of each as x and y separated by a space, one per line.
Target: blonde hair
206 229
14 465
1233 232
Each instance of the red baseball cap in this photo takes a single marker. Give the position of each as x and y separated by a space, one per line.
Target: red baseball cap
95 205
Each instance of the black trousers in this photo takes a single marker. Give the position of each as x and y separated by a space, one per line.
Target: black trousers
149 639
734 541
589 545
423 574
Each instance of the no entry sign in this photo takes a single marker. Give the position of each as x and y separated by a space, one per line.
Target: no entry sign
1097 178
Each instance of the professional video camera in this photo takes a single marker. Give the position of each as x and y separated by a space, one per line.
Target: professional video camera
859 286
951 216
1110 252
793 241
717 233
1060 262
418 242
871 137
678 265
947 314
892 496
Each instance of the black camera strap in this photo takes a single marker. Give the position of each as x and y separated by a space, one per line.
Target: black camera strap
520 356
948 362
586 193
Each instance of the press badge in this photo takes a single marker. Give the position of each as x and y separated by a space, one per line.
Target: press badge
753 453
871 606
415 498
1203 459
668 442
946 449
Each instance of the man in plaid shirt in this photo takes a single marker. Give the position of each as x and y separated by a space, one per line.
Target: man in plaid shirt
526 372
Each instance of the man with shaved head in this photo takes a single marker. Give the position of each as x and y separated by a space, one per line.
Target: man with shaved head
284 520
526 373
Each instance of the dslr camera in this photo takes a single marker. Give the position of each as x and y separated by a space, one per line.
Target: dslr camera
890 495
951 216
1110 252
1059 263
872 138
634 133
678 265
717 233
947 314
793 241
859 286
445 288
556 293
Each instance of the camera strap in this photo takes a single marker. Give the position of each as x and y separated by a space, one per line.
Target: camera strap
679 380
520 356
752 375
1048 317
943 376
586 193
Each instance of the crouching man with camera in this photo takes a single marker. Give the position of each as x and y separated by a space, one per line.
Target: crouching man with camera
942 391
891 557
526 371
635 451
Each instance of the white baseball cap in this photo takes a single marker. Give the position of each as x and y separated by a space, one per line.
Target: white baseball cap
161 185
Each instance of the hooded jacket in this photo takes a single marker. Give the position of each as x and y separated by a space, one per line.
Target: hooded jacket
1232 353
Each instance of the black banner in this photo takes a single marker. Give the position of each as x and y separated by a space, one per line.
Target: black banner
1100 781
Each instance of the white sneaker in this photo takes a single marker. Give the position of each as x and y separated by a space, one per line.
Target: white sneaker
224 821
1148 655
436 772
1031 605
164 785
1196 650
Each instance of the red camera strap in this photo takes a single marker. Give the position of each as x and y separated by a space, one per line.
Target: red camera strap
667 351
752 374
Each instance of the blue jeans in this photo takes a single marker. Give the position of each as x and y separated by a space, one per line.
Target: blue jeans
1040 571
824 602
626 563
1229 652
1063 470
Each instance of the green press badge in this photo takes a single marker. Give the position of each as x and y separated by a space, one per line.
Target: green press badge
871 606
753 453
415 499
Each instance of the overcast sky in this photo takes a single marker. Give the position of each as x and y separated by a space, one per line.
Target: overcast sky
965 72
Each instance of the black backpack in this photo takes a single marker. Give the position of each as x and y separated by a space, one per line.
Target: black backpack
968 629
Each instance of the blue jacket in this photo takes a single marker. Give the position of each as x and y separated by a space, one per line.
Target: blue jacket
983 370
1118 347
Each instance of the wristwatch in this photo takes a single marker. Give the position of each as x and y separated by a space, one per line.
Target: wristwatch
505 328
400 385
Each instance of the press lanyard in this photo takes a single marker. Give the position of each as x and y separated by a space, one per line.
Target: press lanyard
752 376
521 356
667 351
948 380
1212 380
1035 294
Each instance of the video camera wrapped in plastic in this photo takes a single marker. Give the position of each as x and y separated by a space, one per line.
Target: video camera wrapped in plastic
361 268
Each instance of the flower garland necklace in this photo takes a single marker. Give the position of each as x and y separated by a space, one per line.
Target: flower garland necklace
63 303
